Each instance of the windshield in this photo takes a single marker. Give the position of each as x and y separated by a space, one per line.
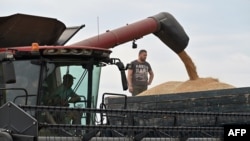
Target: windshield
67 85
55 76
48 83
26 86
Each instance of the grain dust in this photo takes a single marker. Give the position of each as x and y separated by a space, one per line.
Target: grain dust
190 67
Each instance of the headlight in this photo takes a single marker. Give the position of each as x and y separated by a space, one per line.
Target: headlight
50 51
64 51
6 56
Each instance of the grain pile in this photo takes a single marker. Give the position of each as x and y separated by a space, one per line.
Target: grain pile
200 84
193 84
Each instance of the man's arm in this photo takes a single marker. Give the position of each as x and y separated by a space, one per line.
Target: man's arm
74 98
129 79
151 77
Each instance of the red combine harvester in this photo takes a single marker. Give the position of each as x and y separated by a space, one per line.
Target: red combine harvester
34 60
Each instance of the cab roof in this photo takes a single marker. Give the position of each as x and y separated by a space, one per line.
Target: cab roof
23 30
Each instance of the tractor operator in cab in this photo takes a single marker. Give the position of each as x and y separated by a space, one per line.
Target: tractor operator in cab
65 95
138 71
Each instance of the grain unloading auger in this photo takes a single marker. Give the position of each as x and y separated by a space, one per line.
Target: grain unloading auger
162 25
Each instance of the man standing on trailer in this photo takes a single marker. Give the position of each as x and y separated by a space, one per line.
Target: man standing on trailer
138 71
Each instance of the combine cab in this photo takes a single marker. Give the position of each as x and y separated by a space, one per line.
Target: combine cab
33 62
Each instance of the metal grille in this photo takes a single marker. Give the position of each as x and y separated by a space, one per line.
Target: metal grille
140 125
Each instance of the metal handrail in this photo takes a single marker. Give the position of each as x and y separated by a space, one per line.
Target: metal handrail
25 91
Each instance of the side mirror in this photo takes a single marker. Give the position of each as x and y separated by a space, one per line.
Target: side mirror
122 69
8 72
123 75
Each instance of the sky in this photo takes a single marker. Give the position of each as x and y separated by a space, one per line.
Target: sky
219 32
